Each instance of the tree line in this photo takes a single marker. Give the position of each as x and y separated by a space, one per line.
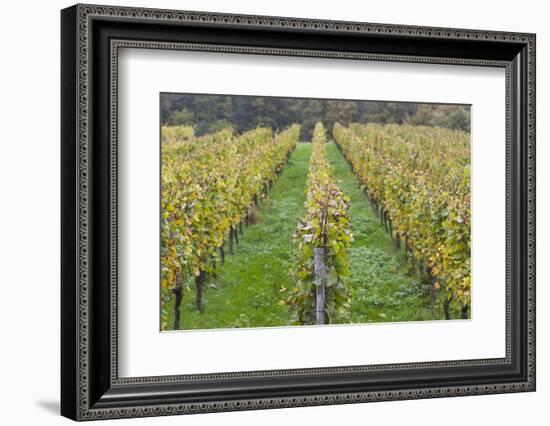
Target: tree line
211 113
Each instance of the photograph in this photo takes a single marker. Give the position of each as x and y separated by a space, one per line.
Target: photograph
280 212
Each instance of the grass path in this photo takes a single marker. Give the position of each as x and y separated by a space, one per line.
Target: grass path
246 292
382 289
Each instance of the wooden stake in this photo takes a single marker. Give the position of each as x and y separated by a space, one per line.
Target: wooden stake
320 283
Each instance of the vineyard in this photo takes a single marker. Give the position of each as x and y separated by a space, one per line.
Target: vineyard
209 185
418 181
261 229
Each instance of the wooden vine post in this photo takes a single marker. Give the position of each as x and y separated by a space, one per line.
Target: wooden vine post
320 272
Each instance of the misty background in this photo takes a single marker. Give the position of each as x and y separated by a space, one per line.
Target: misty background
209 113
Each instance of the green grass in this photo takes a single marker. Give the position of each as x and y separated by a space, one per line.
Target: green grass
381 285
246 290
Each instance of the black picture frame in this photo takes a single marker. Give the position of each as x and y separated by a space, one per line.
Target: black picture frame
90 386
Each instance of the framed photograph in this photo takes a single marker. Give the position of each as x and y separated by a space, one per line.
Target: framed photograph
263 212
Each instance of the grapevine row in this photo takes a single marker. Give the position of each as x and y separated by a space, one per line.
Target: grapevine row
418 181
209 184
323 235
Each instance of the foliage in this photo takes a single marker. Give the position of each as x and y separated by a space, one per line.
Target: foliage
209 113
420 178
456 117
246 290
208 185
381 284
174 135
326 225
182 117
